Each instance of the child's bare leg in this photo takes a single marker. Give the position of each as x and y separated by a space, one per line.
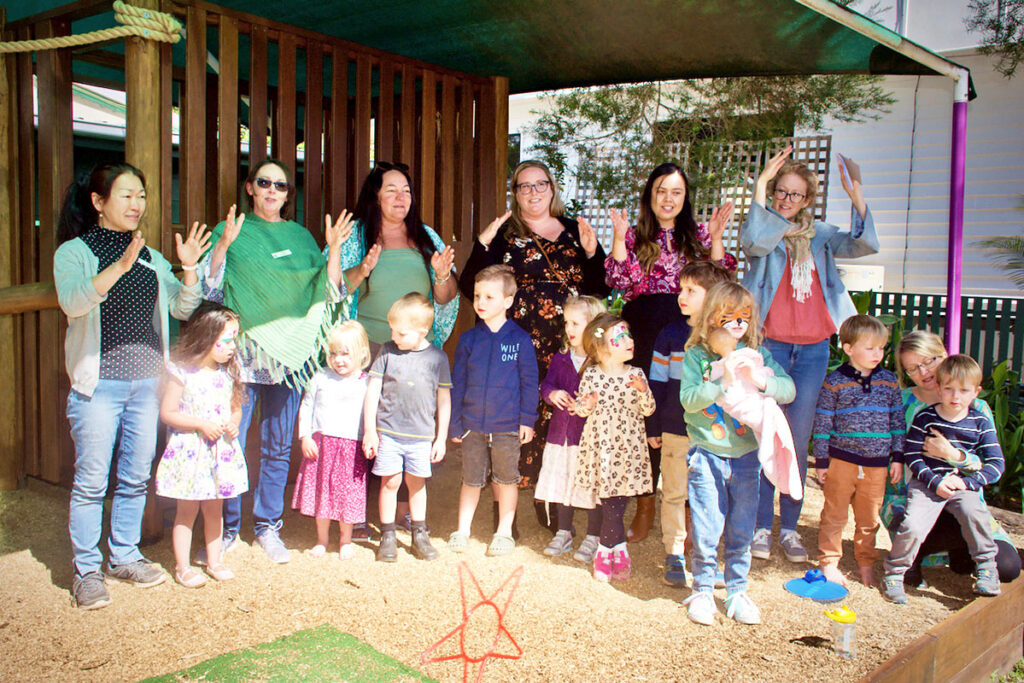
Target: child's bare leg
389 497
469 498
213 523
323 537
867 575
181 534
832 573
346 551
507 496
417 497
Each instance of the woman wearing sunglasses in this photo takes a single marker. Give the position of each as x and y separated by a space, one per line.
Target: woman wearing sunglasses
791 271
271 271
917 356
553 257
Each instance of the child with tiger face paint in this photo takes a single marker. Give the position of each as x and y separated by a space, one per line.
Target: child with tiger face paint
724 469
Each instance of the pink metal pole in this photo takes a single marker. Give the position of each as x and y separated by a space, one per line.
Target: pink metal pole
954 266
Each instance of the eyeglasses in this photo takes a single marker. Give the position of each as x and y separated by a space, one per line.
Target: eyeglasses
927 365
279 185
782 195
540 187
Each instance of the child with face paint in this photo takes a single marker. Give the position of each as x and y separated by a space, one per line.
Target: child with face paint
724 469
613 463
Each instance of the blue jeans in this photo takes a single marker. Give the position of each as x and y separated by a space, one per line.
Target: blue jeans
723 495
279 406
117 407
807 365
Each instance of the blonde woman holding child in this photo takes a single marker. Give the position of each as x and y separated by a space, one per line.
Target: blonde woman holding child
331 484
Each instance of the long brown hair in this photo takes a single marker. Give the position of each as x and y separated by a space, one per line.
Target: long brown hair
684 234
199 334
516 223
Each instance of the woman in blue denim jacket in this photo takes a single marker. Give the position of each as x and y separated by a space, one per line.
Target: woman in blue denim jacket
791 272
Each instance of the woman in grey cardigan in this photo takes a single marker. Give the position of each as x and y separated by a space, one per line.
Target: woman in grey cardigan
791 272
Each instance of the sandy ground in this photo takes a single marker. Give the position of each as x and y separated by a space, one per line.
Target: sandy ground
570 627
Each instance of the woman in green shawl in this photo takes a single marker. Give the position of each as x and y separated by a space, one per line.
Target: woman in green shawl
272 272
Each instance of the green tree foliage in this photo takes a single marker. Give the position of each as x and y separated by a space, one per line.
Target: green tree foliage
688 121
1001 25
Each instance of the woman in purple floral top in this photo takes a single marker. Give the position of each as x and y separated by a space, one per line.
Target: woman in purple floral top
645 262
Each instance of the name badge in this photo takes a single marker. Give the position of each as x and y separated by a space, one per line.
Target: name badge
147 264
282 253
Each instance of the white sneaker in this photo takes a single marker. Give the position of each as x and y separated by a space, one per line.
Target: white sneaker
740 607
702 608
761 544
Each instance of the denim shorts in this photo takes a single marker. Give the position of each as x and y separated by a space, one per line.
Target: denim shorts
498 452
395 457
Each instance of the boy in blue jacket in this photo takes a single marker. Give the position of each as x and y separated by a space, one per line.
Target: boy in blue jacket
494 405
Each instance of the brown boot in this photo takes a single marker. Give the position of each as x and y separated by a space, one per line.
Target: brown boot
641 525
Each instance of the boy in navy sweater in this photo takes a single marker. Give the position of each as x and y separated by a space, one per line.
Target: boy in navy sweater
952 452
858 438
494 406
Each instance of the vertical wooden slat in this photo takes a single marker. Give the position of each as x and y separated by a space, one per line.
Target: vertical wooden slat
485 153
227 113
407 118
284 120
364 93
312 133
428 148
212 180
447 185
166 150
257 95
385 145
10 428
337 155
55 173
464 181
192 151
500 84
142 120
29 388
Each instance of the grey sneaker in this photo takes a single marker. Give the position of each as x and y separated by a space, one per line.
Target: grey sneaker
892 589
792 548
761 544
560 544
141 574
587 549
227 543
987 583
90 591
272 545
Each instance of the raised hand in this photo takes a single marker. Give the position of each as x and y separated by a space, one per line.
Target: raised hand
442 262
638 383
487 234
620 225
720 218
369 261
849 175
774 165
193 246
588 238
232 227
339 231
131 253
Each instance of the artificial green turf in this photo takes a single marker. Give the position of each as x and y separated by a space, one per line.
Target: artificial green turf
319 654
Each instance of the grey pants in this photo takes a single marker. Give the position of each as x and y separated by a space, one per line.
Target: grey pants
923 508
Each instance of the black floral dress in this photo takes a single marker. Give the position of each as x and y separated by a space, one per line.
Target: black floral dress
544 284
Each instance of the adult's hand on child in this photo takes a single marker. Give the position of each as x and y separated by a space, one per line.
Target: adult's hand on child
309 449
211 430
525 434
895 473
371 442
938 446
950 485
560 399
437 451
654 441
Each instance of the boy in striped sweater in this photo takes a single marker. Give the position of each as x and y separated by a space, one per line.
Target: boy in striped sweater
858 439
952 452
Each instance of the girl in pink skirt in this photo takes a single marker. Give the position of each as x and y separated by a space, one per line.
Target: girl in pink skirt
331 484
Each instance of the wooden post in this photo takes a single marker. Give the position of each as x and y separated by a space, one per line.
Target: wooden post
500 92
143 130
10 423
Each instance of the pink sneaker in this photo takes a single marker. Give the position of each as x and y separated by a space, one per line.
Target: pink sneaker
603 565
621 565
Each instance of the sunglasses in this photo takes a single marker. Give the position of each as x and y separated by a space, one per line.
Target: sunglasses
279 185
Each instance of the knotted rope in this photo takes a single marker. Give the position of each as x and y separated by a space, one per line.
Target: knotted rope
137 21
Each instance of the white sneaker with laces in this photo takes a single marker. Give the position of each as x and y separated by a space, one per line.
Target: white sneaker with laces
740 607
702 608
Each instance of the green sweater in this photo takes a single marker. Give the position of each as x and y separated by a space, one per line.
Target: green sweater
707 425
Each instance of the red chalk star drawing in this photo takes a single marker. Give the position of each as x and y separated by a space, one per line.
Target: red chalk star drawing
486 607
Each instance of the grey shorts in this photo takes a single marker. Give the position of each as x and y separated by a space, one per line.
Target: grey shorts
498 452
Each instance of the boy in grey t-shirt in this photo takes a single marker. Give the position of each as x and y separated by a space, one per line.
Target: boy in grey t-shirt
409 383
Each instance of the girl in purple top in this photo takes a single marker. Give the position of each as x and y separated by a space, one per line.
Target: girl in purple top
645 262
557 473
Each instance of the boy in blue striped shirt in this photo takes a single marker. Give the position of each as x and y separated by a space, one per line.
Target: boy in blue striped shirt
952 452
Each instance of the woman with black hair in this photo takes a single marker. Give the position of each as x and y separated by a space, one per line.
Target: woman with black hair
118 294
644 263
